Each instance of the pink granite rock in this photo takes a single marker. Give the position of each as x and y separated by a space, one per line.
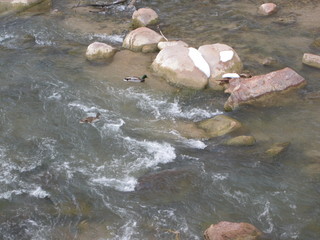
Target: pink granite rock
248 90
232 231
267 9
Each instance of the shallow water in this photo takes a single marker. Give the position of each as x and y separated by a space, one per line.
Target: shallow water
64 180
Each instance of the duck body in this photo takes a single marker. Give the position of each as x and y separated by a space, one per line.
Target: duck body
90 119
135 79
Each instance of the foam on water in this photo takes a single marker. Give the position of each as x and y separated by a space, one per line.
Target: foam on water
104 37
266 218
162 107
156 153
125 184
39 193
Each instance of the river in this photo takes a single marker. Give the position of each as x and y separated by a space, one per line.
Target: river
64 180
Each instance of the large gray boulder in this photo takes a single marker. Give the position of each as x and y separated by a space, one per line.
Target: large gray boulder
221 59
259 89
142 40
232 231
182 66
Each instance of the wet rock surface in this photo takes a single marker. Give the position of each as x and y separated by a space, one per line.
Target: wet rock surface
277 149
250 90
232 231
241 141
312 60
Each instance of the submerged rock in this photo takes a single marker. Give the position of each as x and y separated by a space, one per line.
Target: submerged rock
277 149
219 125
252 90
241 141
267 9
311 60
214 127
166 185
144 17
98 51
142 40
177 65
232 231
221 59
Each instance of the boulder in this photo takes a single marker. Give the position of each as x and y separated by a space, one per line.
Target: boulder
252 90
162 45
219 125
311 60
144 17
98 51
214 127
267 9
232 231
277 149
17 5
180 66
221 59
241 141
142 40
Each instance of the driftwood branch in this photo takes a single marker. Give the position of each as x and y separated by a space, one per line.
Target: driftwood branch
131 4
99 5
162 33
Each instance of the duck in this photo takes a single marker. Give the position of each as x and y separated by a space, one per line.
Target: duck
91 119
135 79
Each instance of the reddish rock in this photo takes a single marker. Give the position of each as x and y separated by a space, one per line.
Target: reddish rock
267 9
311 60
232 231
251 90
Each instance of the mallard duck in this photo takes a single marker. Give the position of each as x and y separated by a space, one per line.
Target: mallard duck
135 79
90 119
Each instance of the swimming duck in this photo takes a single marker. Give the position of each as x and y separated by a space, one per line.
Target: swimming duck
135 79
90 119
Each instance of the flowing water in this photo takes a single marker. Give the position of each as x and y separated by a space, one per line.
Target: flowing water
64 180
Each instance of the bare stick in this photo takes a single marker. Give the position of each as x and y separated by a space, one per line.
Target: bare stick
132 2
162 33
100 5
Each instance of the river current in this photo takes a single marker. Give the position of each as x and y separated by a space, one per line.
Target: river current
64 180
